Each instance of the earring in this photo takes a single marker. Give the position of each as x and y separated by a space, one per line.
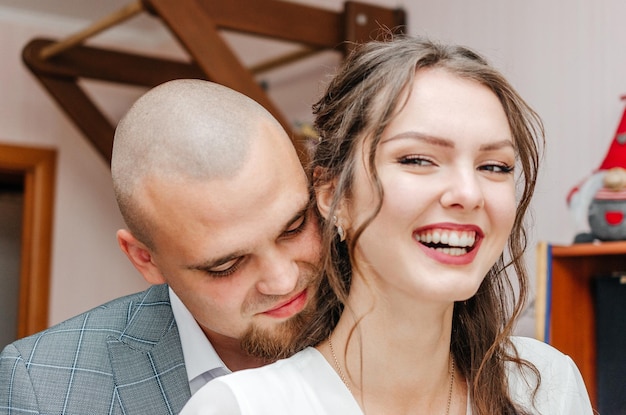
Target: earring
340 231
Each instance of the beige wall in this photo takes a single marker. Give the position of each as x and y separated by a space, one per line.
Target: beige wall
566 58
87 266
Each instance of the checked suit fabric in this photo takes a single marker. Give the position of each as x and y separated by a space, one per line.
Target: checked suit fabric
123 357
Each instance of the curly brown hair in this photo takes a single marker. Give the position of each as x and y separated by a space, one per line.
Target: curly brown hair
359 103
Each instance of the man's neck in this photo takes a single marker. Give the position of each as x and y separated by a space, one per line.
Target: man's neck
231 353
236 359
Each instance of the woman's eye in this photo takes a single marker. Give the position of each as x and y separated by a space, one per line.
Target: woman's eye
415 160
497 168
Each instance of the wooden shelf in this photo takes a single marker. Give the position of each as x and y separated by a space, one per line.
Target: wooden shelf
566 313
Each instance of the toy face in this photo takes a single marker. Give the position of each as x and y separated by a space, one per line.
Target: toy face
607 215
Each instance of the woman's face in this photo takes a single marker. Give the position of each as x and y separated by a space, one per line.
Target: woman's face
446 166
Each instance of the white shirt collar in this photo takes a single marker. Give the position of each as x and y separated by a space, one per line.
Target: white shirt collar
201 360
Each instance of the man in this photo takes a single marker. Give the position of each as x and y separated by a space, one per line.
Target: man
217 209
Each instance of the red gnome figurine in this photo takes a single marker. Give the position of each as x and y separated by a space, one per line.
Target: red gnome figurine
601 198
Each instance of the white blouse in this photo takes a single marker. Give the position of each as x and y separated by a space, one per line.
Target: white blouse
305 384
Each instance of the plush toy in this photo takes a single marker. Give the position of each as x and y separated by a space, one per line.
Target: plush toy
598 204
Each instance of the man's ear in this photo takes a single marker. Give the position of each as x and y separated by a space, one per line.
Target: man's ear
140 256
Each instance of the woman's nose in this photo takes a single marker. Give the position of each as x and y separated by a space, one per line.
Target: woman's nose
463 190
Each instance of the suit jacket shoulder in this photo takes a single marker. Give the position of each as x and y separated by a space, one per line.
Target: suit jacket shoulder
121 357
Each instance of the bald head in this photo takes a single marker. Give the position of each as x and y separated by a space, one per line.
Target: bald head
183 129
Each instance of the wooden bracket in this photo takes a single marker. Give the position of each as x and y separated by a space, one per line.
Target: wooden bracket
196 24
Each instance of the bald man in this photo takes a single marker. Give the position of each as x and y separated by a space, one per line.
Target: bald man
218 218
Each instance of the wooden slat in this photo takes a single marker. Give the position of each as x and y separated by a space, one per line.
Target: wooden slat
83 112
199 35
196 24
107 65
278 19
600 248
117 17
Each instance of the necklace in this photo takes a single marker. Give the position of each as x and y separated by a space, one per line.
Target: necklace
345 382
332 352
451 384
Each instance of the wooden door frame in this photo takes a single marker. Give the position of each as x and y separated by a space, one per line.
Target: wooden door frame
38 166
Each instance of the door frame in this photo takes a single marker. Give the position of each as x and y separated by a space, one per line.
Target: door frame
38 167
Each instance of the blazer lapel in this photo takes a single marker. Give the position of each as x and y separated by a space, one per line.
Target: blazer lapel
147 360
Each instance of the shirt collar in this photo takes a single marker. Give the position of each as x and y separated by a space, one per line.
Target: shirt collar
200 356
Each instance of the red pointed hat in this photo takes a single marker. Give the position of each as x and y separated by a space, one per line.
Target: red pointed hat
616 156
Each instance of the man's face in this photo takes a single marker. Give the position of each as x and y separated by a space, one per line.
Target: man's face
242 252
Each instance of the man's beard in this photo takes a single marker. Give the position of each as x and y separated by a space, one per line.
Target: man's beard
279 341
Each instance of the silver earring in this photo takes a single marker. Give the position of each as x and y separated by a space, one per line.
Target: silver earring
340 231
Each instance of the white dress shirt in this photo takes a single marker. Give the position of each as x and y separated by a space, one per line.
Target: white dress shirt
201 360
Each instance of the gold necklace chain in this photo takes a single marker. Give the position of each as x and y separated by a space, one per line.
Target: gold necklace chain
332 351
451 384
345 382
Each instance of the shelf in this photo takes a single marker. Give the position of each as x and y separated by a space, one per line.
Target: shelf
565 302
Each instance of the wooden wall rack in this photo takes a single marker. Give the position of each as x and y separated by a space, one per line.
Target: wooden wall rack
196 24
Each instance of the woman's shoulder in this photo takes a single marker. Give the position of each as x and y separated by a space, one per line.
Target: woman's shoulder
536 351
551 363
559 387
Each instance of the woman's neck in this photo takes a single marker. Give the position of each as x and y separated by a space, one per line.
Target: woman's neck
398 352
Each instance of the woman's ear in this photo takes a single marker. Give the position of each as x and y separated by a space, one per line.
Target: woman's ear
140 256
324 192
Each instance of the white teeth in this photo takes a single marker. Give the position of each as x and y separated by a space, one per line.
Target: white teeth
445 236
452 251
436 237
461 239
454 239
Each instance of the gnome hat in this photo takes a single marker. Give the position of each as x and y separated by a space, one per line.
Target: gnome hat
580 197
616 156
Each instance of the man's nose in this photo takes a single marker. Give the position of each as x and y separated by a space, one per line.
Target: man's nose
279 275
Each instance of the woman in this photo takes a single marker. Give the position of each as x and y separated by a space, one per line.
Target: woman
425 166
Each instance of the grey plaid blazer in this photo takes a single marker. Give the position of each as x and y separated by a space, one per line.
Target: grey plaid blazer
123 357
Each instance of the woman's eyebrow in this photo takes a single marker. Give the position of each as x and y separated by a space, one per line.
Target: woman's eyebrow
497 145
443 142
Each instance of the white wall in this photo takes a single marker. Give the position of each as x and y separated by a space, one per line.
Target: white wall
565 57
87 266
568 60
